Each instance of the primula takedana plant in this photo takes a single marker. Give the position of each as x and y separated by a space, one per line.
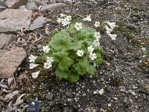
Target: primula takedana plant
74 51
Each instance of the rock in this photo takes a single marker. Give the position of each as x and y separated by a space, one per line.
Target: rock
2 6
14 19
38 23
5 40
10 61
15 3
31 5
52 6
7 30
2 52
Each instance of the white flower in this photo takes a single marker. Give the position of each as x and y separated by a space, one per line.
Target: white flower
96 42
97 24
46 49
111 24
62 15
97 35
113 36
80 53
108 30
65 22
50 59
32 58
90 49
32 65
59 20
88 18
35 74
68 18
101 91
78 26
47 65
92 56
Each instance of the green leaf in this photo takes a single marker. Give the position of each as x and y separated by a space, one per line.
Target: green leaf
80 68
98 48
72 29
87 31
99 61
62 43
73 77
97 53
61 74
65 63
72 54
91 69
77 45
58 56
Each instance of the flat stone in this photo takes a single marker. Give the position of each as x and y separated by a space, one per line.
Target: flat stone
52 6
14 19
5 40
15 3
2 52
10 61
38 23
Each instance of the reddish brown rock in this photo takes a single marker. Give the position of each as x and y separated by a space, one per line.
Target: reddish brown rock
10 61
5 40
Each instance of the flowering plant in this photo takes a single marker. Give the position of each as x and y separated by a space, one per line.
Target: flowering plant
73 51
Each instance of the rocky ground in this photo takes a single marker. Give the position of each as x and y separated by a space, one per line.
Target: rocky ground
26 26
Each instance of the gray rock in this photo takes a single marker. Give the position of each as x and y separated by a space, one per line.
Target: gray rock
7 30
10 62
31 5
38 23
52 6
2 52
3 6
5 40
15 3
14 19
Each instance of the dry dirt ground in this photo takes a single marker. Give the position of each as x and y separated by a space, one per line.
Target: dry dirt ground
124 75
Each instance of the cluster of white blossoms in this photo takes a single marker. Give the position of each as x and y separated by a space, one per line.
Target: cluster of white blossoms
65 20
112 25
91 55
47 64
32 59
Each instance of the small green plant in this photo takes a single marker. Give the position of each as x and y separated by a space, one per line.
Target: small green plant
70 51
74 51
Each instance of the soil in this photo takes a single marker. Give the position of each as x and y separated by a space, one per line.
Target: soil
124 75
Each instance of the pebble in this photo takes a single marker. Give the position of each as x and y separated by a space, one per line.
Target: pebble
101 91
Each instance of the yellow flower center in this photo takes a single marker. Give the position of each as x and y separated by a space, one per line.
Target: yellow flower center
78 26
80 53
47 65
